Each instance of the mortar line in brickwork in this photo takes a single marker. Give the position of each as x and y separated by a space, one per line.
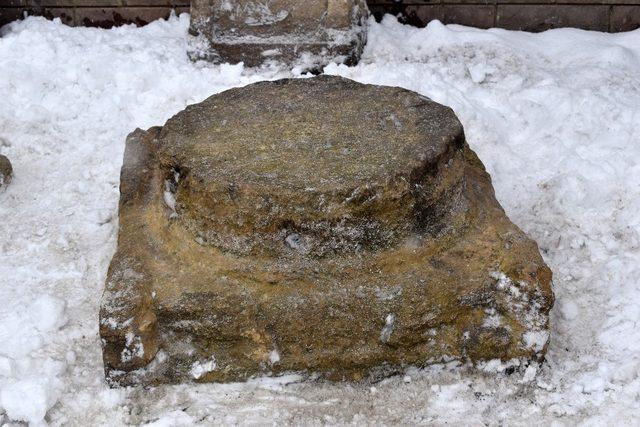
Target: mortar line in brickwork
511 3
120 3
559 3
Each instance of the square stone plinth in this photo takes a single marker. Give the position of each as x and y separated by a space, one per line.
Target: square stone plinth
318 226
309 33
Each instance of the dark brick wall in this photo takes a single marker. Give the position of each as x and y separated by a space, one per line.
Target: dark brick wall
94 13
528 15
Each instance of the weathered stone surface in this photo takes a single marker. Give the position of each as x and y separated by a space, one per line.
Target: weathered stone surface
290 31
6 171
315 225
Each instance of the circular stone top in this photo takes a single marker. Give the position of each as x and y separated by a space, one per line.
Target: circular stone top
320 158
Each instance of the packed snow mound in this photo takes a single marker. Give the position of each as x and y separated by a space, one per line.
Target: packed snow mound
554 117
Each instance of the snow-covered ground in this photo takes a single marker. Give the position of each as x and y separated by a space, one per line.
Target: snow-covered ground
554 116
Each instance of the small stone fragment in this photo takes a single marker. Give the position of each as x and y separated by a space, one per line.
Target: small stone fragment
6 171
314 225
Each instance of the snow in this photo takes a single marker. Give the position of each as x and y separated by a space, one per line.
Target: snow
536 340
28 399
198 369
554 117
274 357
169 197
387 330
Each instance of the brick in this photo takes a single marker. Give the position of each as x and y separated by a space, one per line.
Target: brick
66 14
544 17
422 15
477 2
113 17
12 4
412 14
157 3
479 16
535 2
377 11
388 3
78 3
530 15
625 18
591 2
9 14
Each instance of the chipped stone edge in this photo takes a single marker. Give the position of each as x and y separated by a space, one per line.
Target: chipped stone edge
128 324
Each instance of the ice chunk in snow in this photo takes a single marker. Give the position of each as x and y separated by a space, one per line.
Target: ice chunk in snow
23 327
173 419
569 310
23 330
28 399
530 373
6 367
478 72
48 313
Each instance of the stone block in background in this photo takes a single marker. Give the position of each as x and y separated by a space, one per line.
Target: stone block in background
309 33
317 226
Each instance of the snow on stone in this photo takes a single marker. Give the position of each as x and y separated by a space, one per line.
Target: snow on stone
274 356
553 116
297 243
536 340
199 369
133 347
169 198
259 14
387 330
530 373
